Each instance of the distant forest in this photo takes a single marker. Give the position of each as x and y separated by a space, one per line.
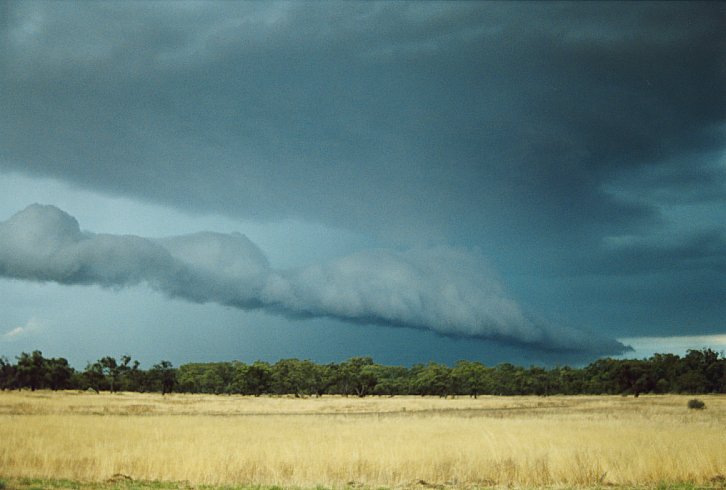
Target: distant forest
699 371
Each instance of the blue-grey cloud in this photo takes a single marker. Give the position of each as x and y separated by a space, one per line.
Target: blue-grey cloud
636 255
395 116
449 291
539 133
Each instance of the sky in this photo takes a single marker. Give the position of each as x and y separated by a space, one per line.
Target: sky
536 183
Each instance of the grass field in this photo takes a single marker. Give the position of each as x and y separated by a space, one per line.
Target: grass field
581 441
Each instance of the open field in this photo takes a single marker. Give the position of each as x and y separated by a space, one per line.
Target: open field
372 442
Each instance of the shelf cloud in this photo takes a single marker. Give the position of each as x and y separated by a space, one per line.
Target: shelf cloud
448 290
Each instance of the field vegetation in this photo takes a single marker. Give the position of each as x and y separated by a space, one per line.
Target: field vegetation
336 441
699 371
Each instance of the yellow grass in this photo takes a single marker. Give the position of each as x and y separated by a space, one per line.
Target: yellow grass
335 441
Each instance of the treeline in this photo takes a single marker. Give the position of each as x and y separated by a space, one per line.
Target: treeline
33 371
699 371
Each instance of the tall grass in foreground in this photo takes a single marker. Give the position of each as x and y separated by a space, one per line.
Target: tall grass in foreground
521 441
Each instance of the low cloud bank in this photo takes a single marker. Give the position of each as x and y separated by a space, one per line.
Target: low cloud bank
447 290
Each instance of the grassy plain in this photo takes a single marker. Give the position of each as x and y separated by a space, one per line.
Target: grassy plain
580 441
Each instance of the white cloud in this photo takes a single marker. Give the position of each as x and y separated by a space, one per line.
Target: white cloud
31 327
448 290
287 243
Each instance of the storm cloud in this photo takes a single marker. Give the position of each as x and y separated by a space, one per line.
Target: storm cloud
369 116
449 291
578 146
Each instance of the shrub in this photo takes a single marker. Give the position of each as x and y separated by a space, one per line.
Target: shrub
696 404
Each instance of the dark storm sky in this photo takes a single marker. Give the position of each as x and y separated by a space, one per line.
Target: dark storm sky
543 177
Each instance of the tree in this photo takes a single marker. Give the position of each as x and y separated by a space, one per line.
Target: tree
633 377
700 371
258 378
601 377
392 380
568 381
507 379
111 371
325 378
58 374
288 377
189 378
471 378
692 381
163 377
131 378
710 370
434 379
664 369
7 374
537 382
212 379
299 378
30 370
357 376
239 378
93 377
134 378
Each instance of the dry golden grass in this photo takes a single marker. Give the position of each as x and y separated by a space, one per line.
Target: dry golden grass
335 441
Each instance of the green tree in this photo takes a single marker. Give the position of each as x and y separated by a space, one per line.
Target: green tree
31 370
507 379
111 371
434 379
288 377
258 378
357 376
238 384
601 377
566 380
664 369
537 382
213 379
7 374
392 380
692 381
325 378
299 378
632 377
163 377
189 378
471 378
704 366
130 376
58 374
93 377
134 377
